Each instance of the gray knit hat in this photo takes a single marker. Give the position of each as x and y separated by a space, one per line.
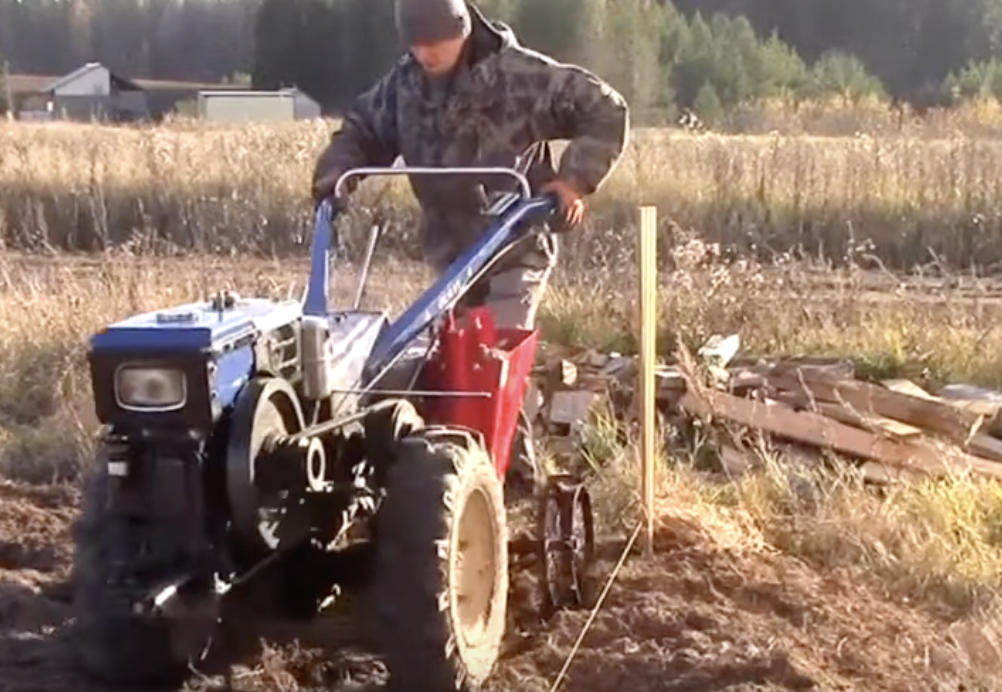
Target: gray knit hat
430 21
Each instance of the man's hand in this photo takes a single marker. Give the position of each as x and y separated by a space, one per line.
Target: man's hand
323 187
571 202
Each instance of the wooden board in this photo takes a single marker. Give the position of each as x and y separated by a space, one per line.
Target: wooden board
982 444
907 387
874 424
875 472
823 432
870 399
975 407
647 299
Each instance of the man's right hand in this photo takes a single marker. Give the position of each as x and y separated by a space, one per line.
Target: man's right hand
571 203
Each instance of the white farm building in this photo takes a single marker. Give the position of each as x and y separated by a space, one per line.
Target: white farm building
251 105
91 92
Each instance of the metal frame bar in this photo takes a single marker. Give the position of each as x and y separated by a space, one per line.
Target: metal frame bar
523 182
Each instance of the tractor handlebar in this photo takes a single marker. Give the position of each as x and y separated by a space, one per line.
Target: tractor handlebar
523 182
495 240
329 208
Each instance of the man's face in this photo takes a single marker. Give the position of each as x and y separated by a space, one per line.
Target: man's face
439 58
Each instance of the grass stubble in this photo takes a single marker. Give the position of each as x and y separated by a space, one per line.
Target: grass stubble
934 548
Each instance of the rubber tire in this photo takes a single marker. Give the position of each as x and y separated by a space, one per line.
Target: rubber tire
113 646
386 424
436 473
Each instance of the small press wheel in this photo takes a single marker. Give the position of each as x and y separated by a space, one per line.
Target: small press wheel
566 544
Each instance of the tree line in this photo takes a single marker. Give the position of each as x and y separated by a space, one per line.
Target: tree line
658 56
189 40
708 55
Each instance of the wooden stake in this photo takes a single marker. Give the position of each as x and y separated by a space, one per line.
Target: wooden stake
9 93
647 251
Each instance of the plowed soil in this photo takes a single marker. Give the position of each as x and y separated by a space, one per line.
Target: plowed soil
698 616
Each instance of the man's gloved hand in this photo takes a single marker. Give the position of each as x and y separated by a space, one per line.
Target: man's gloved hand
571 202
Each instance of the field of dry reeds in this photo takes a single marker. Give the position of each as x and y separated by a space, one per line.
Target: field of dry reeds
788 241
907 201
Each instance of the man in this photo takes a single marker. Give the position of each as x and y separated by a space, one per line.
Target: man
468 94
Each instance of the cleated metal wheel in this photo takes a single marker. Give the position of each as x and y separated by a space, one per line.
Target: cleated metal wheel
566 544
441 580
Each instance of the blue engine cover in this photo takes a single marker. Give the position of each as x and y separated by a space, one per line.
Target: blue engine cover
226 337
235 338
196 326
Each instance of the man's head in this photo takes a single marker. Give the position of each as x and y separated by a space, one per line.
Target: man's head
435 31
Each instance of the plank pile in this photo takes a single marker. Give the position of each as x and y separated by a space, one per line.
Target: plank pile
895 429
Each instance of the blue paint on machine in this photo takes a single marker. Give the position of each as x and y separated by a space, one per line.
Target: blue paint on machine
213 342
442 296
195 326
233 370
217 343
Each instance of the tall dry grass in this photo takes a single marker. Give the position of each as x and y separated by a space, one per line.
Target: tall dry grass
836 116
911 201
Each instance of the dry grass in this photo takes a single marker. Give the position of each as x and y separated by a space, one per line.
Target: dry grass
934 545
932 552
909 200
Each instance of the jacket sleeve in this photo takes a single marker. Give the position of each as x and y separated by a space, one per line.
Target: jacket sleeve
581 107
368 133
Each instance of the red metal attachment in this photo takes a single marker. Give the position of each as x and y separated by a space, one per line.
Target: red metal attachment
478 357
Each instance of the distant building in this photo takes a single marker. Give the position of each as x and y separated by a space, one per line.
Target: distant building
93 92
50 97
253 105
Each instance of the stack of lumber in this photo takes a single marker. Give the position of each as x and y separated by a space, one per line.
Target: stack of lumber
894 428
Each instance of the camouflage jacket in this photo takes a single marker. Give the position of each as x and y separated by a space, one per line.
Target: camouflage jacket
504 102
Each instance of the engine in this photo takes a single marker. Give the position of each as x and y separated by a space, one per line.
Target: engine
173 373
202 404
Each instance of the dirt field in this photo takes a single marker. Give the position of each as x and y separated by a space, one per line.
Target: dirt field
738 596
703 614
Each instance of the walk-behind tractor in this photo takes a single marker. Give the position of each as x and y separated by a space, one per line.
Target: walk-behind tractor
267 453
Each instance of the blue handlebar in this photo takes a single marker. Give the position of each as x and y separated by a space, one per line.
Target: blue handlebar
442 295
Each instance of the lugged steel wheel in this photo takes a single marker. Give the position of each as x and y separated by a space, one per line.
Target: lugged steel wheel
566 543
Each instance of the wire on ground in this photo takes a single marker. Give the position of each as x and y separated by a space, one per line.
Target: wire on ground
596 608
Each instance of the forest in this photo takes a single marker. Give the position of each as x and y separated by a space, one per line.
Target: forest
705 54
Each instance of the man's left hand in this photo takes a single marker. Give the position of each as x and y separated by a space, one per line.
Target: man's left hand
571 202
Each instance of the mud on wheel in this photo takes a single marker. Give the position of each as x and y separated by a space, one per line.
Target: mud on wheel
441 582
111 555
